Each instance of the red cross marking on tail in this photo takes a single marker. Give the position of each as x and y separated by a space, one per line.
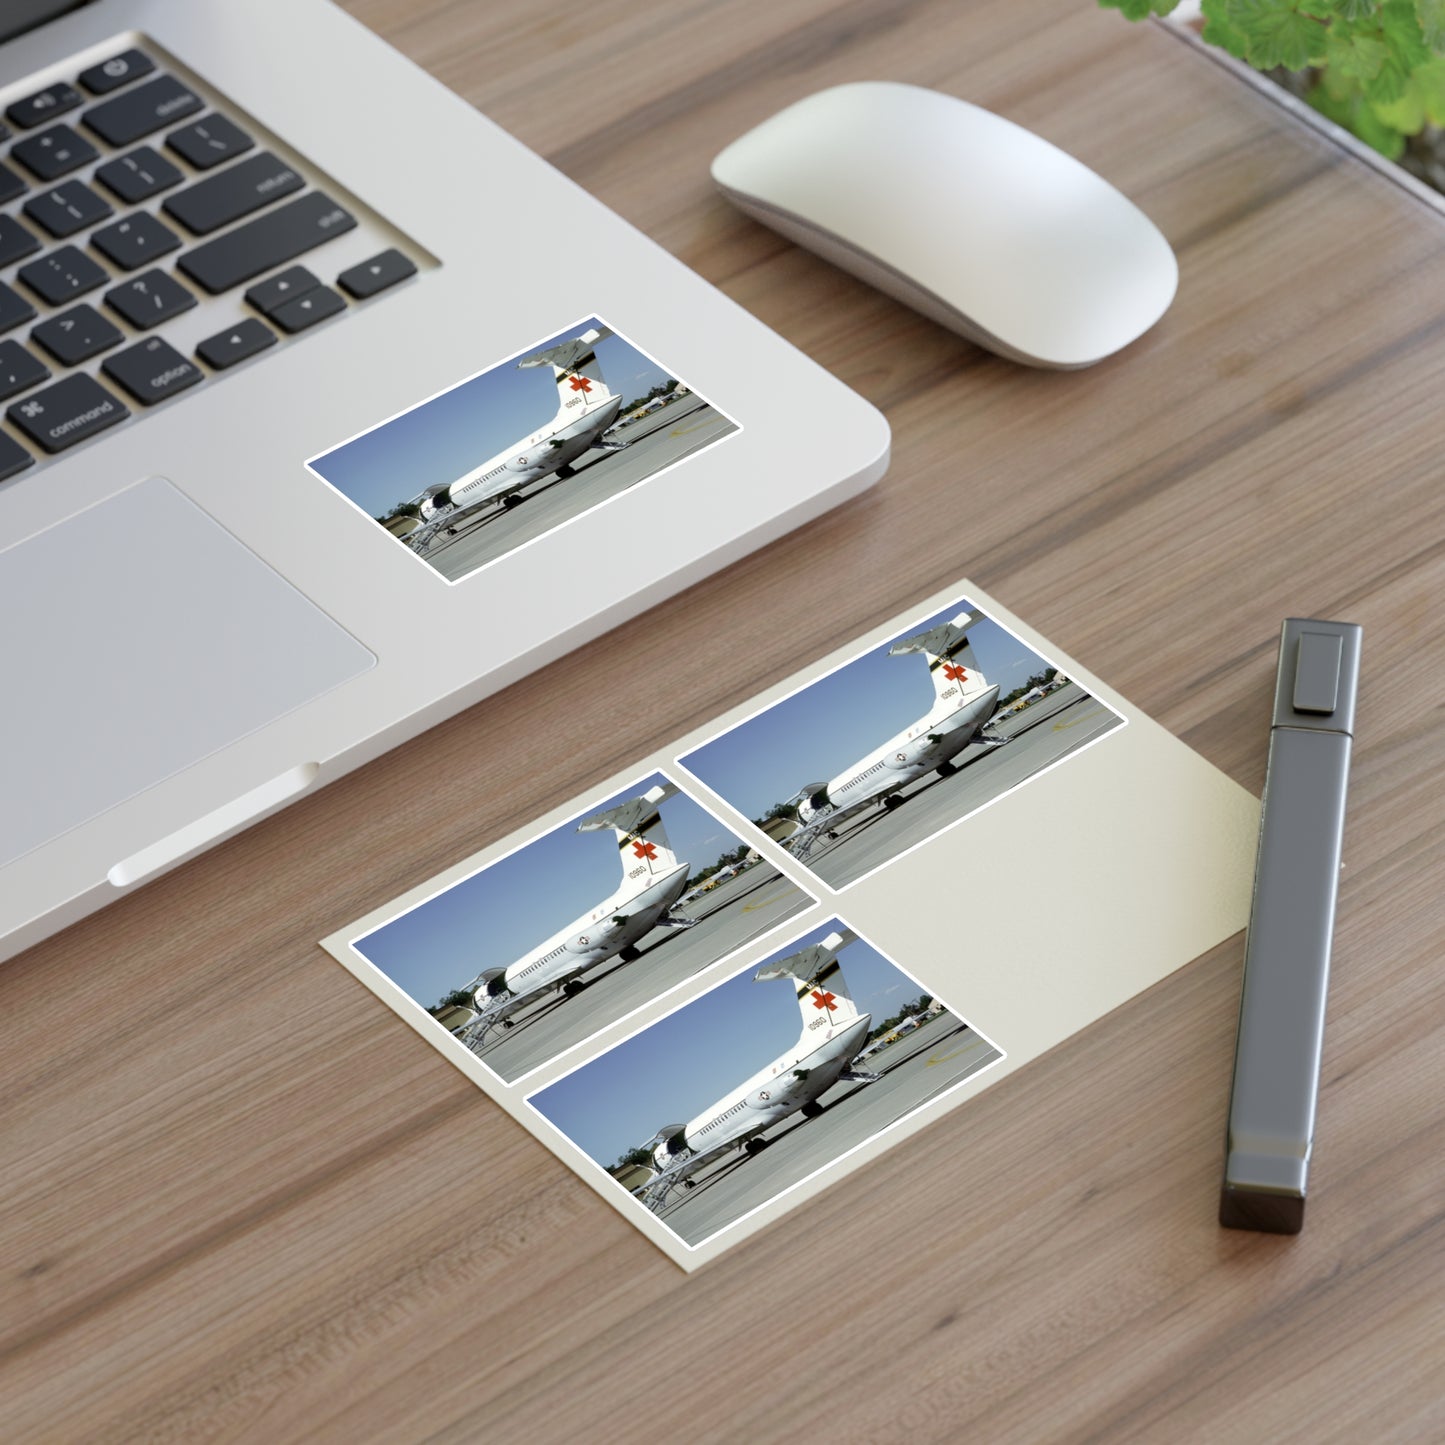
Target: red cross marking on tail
581 383
645 850
954 673
824 1000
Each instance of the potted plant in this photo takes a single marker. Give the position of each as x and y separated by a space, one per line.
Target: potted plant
1374 67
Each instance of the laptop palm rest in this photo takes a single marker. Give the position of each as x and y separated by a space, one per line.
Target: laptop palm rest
156 639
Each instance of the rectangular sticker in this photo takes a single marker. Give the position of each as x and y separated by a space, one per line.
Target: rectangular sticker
528 445
767 1080
529 956
865 763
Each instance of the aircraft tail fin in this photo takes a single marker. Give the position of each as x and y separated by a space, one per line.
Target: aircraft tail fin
952 665
580 385
641 835
818 980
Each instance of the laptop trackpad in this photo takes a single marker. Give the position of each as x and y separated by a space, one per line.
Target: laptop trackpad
140 637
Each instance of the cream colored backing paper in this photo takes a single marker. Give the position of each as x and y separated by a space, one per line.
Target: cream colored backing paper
1126 859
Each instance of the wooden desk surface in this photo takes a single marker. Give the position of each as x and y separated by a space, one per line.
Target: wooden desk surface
242 1201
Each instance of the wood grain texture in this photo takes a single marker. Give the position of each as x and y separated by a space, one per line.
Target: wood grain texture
241 1200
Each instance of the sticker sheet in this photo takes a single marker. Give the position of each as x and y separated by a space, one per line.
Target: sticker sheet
716 983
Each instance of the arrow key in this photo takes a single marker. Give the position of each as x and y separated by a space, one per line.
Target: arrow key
307 310
376 274
235 344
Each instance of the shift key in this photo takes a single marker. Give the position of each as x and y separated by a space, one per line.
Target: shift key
235 192
266 242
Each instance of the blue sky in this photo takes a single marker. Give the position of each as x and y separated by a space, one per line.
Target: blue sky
447 436
816 733
690 1059
501 913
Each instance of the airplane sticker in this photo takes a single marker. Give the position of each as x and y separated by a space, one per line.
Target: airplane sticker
510 454
748 1128
979 737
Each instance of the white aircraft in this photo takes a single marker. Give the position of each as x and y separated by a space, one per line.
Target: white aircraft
963 706
833 1033
652 879
585 410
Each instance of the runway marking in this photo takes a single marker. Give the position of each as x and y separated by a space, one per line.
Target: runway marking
682 431
1060 726
944 1058
763 902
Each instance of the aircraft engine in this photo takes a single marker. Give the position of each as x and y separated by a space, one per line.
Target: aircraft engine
813 801
492 984
787 1089
669 1144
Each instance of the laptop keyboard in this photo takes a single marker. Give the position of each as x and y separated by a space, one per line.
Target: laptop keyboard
129 200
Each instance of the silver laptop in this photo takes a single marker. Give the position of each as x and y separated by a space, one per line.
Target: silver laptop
326 410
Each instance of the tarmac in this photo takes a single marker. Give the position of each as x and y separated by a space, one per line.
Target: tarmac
729 916
918 1067
657 441
1047 730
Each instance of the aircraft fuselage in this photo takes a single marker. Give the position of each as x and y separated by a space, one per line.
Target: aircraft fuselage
936 738
616 923
560 442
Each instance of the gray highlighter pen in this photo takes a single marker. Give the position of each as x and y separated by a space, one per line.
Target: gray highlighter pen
1292 921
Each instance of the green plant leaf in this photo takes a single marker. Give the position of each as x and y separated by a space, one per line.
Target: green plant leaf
1276 33
1139 9
1358 118
1430 14
1428 81
1220 30
1401 29
1406 115
1357 9
1356 56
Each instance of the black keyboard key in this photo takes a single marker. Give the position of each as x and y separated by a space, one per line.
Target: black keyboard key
235 344
44 105
77 335
265 242
53 153
15 241
14 308
206 143
149 299
285 286
13 457
140 111
376 274
307 310
62 275
135 241
235 192
139 175
19 369
152 370
10 185
75 408
117 71
69 207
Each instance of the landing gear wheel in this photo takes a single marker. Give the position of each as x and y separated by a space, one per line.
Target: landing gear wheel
946 769
630 954
689 1183
509 1023
572 987
566 470
812 1109
756 1146
511 500
892 801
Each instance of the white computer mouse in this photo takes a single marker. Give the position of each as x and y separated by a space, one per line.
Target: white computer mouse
967 217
